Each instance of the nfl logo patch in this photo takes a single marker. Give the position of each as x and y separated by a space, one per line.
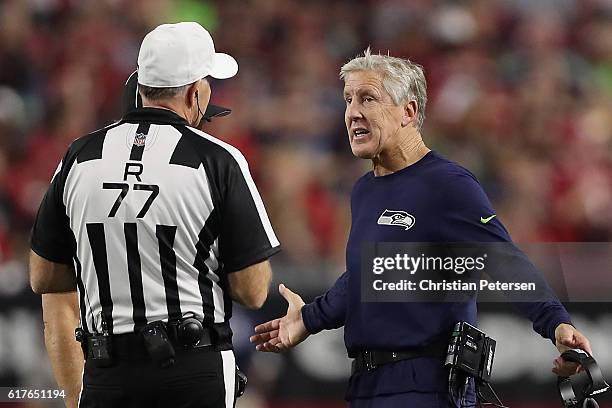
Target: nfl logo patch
139 139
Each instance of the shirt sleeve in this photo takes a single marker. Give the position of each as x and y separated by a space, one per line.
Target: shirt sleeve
52 237
467 203
246 235
327 311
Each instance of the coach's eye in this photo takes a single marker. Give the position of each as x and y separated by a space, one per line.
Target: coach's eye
348 100
368 99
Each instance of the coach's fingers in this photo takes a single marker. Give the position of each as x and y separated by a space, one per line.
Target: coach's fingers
272 346
267 326
263 337
277 345
260 338
266 348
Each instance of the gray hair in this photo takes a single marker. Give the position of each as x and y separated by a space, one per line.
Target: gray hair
156 94
402 79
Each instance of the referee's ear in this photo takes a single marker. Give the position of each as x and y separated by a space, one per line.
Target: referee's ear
190 96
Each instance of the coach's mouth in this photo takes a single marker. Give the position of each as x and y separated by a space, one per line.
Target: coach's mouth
360 133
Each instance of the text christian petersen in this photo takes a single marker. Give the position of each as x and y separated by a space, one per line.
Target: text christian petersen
459 265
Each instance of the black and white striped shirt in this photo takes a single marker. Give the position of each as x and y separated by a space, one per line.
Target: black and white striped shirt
154 214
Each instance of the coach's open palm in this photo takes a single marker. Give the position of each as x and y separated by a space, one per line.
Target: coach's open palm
281 334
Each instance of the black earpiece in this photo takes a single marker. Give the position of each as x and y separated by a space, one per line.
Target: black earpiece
199 110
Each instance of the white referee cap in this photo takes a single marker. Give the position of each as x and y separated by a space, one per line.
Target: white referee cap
178 54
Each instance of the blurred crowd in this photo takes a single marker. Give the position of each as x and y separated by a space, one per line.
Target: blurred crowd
520 93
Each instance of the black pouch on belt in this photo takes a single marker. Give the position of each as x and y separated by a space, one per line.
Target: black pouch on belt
100 350
158 344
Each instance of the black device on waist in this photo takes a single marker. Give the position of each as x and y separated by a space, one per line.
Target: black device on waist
470 351
187 332
97 347
470 356
576 390
158 344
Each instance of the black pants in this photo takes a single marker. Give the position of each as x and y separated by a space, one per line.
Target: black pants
199 378
413 400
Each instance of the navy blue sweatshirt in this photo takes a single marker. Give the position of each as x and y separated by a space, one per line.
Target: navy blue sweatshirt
447 203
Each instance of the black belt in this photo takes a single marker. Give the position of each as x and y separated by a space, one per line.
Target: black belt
131 346
371 359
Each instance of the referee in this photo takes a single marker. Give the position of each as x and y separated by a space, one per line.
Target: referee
159 226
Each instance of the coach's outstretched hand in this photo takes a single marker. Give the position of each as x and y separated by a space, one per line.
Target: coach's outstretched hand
281 334
568 337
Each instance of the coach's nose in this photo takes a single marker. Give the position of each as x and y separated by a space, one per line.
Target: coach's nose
353 113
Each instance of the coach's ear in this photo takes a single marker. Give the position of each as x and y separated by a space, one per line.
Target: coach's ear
410 113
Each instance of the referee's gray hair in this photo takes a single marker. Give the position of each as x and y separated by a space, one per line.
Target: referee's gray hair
402 79
156 94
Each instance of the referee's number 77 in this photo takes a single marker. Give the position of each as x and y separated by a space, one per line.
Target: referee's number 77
124 187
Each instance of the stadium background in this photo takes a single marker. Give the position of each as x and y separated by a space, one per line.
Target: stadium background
520 92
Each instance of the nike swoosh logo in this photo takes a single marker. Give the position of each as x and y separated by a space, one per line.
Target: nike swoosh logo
485 220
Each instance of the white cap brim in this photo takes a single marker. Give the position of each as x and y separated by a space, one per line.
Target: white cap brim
224 66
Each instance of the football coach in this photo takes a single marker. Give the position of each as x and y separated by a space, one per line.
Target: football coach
159 226
385 109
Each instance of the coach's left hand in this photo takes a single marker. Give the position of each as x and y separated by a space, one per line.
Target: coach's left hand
568 337
281 334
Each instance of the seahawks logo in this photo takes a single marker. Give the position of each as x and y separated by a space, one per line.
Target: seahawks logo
395 217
